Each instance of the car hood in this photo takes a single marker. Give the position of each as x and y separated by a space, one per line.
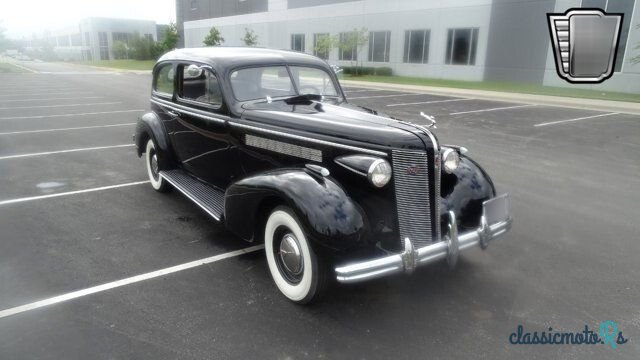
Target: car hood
344 121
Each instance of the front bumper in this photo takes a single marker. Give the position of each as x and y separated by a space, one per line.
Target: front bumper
495 221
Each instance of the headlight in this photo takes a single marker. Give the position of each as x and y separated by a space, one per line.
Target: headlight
379 173
450 160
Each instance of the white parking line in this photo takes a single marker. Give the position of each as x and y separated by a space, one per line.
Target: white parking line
572 120
60 105
382 96
49 99
431 102
363 90
127 281
65 115
46 93
64 129
493 109
37 88
40 197
63 151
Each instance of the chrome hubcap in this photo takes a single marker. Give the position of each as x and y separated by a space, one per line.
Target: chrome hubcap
290 255
154 165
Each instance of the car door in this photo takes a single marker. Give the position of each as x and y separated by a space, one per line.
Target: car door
201 135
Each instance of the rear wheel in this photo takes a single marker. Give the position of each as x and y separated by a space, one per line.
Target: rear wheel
153 168
294 266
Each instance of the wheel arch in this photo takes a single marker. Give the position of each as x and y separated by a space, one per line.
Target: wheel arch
332 220
149 126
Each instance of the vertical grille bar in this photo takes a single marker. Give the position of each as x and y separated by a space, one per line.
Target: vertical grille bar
411 179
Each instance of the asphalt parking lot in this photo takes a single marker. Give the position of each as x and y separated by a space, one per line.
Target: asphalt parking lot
76 213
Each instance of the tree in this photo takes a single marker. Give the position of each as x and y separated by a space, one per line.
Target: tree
355 39
171 37
120 50
143 48
636 59
213 38
324 45
250 37
4 42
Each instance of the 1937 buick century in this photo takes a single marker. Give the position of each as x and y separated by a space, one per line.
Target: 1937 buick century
266 142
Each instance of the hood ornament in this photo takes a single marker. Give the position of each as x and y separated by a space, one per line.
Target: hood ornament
430 118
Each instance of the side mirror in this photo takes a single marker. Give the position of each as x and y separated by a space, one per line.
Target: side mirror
194 71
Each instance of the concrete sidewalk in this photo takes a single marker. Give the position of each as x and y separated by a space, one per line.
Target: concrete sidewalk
581 103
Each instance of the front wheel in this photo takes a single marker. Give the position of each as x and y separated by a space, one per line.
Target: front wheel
293 264
153 169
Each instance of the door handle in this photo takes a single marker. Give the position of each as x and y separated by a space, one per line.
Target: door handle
173 113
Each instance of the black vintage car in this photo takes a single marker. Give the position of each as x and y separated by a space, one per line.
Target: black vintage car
266 142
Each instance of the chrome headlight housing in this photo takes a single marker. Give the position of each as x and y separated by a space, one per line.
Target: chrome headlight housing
379 173
450 160
376 170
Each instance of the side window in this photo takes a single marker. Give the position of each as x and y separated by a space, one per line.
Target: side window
200 85
164 80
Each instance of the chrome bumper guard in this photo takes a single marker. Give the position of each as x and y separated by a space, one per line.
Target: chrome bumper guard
495 221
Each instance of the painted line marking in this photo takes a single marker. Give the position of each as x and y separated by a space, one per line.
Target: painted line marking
60 105
23 67
64 129
47 93
127 281
431 102
40 197
572 120
49 99
493 109
63 151
382 96
37 88
364 90
68 115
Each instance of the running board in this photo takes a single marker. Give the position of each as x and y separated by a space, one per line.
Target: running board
211 200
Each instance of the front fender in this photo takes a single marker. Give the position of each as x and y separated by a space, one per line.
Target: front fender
464 191
331 218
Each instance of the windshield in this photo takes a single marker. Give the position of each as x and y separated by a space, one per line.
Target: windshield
276 81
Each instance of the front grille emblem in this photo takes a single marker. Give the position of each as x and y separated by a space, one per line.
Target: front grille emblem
413 170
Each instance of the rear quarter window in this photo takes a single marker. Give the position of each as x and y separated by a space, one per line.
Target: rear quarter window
164 82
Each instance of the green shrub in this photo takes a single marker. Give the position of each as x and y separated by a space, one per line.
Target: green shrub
384 71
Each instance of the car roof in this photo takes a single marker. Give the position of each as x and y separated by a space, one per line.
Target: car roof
224 57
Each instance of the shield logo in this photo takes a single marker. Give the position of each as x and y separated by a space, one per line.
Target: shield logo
585 43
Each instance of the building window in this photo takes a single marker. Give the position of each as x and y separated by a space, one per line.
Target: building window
297 42
120 36
416 46
461 46
148 37
379 44
616 6
104 45
348 46
194 4
320 45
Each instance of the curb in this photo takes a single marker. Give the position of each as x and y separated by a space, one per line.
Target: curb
568 102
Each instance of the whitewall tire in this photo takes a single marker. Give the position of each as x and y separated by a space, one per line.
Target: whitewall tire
153 169
293 264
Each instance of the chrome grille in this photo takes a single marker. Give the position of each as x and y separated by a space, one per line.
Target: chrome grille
411 179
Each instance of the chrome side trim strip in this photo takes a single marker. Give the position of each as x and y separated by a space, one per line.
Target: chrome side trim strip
283 148
308 139
192 112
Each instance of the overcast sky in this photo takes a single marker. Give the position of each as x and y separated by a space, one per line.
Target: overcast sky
25 17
